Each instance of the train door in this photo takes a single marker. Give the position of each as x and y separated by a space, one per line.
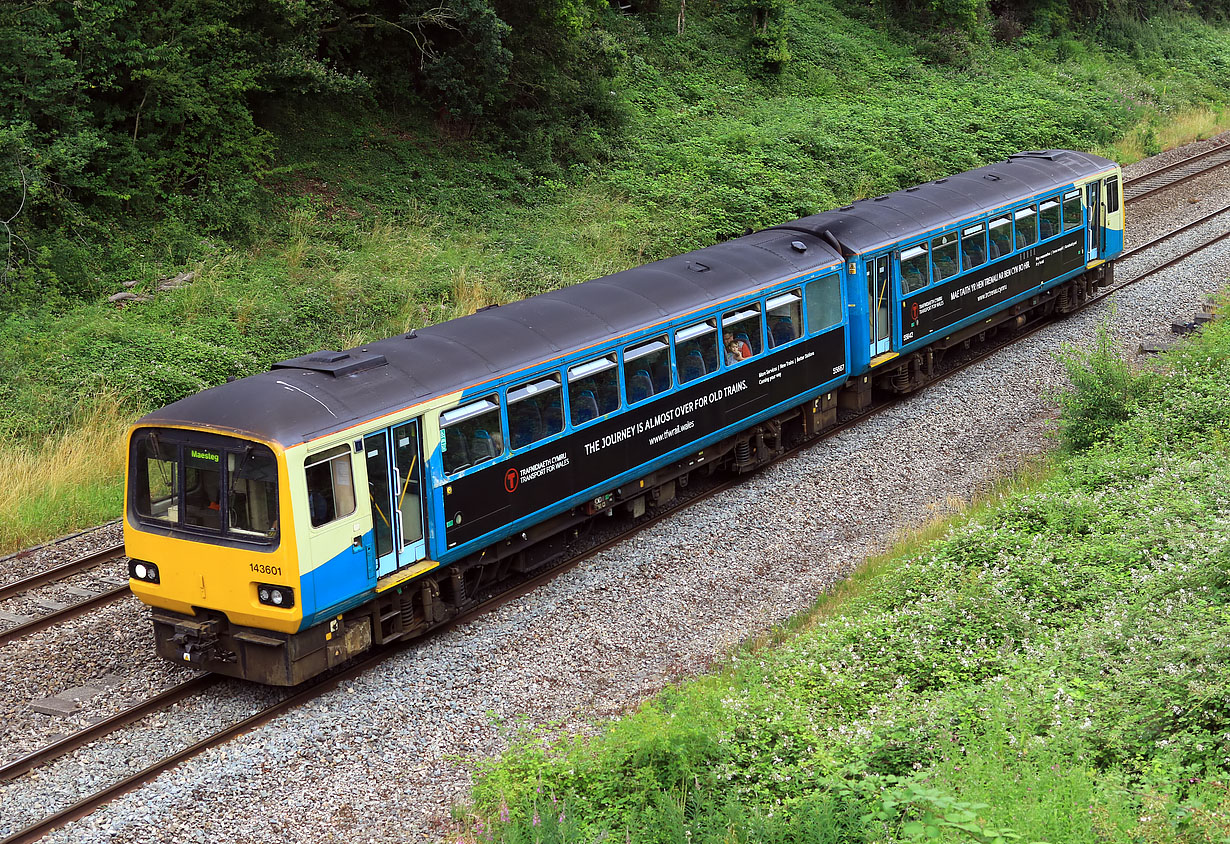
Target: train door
878 279
1097 219
394 485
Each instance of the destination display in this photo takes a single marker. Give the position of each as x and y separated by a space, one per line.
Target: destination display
943 305
510 489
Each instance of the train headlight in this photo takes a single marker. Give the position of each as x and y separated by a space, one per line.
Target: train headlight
143 571
282 597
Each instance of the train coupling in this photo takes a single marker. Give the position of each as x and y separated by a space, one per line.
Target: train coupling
197 642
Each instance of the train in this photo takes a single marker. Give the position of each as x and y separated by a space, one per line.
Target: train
485 443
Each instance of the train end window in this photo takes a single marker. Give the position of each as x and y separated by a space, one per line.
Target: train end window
973 246
1025 224
593 390
1072 210
473 434
823 303
914 269
785 318
944 262
696 350
1049 223
535 411
741 334
330 485
647 369
999 232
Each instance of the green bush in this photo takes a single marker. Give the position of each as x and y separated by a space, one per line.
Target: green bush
1105 392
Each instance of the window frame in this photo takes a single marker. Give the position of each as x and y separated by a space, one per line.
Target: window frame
1057 200
924 249
835 275
323 457
1025 212
1076 194
556 379
611 358
968 229
742 312
709 323
956 235
463 413
778 297
641 349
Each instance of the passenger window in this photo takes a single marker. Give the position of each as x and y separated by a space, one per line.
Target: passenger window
647 369
473 434
914 269
944 257
741 338
1026 226
823 303
973 246
1072 210
330 485
785 318
1000 231
535 411
1112 194
593 390
1048 218
202 488
696 353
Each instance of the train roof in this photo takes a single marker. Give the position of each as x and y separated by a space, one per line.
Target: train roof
871 224
314 395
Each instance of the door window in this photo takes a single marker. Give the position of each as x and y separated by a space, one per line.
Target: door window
409 487
376 447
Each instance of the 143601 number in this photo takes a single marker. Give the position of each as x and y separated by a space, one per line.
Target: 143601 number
262 568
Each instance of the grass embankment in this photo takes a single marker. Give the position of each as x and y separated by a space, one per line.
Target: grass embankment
375 224
1055 664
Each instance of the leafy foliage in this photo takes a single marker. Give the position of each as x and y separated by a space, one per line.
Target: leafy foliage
1105 392
1052 670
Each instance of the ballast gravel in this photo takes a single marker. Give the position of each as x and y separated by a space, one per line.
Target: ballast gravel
386 756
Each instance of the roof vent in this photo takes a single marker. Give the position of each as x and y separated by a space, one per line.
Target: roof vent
880 198
798 246
911 190
698 267
990 177
941 181
486 307
333 363
413 335
846 208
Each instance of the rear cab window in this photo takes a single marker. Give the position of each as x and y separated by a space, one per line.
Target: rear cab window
472 434
823 303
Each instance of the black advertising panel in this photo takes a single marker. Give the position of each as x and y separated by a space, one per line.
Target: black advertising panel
510 489
946 304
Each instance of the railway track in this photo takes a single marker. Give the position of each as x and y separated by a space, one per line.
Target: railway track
54 575
1177 173
203 683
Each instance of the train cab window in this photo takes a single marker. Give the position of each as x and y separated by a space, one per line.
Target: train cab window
1048 218
251 493
647 369
472 434
823 303
973 246
1112 194
535 411
741 334
696 350
1071 210
593 390
914 269
944 263
1000 233
785 318
330 485
203 488
1025 224
157 480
